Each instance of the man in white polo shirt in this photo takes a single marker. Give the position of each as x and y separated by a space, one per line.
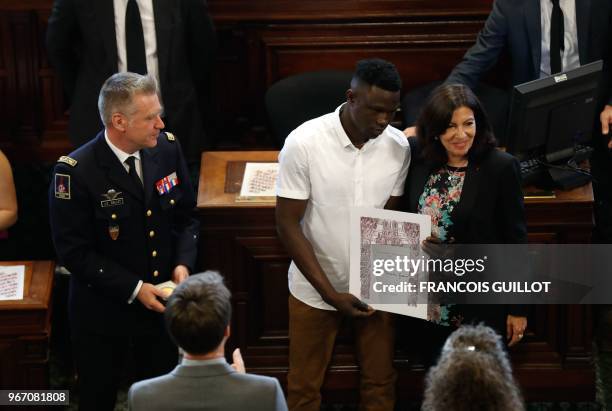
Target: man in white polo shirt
349 158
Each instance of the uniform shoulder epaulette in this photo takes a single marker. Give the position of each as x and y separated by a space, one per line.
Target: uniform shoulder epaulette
170 136
68 160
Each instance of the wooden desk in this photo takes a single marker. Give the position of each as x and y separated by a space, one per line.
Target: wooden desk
239 240
25 327
565 219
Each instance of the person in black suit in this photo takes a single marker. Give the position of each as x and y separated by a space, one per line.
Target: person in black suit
523 28
87 41
471 190
121 221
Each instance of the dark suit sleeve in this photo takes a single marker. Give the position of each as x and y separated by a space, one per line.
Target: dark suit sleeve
201 45
510 203
74 239
483 55
512 217
63 41
608 58
186 227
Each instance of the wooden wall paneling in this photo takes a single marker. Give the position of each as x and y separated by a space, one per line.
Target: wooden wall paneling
33 126
317 10
28 105
232 101
262 264
54 110
259 42
579 334
267 262
275 51
422 51
7 111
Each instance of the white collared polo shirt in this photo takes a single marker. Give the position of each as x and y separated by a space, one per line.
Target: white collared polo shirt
319 163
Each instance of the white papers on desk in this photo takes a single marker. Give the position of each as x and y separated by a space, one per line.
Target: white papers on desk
259 180
12 278
385 234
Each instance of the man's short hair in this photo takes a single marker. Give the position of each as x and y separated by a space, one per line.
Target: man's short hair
198 312
379 73
118 91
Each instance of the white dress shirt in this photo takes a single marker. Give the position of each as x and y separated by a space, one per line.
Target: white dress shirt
570 59
148 28
319 163
122 156
194 363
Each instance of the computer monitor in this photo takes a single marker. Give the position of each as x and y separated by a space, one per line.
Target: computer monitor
550 116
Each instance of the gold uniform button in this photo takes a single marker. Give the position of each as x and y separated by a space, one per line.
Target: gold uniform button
149 213
114 216
172 202
154 253
151 233
155 273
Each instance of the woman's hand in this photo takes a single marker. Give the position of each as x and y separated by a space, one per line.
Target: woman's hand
410 131
515 328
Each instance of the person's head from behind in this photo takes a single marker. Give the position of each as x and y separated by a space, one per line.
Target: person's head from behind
373 98
453 127
130 110
473 373
198 314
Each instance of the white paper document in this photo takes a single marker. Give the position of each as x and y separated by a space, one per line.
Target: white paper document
12 278
167 288
380 236
259 180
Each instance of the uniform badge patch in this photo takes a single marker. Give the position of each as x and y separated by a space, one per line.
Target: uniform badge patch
68 160
170 136
165 184
62 186
113 231
112 198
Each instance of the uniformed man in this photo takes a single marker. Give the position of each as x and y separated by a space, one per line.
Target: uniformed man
121 219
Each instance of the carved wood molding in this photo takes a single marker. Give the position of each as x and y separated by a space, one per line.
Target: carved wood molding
354 10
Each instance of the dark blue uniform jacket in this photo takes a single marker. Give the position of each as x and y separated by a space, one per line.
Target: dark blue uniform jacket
110 233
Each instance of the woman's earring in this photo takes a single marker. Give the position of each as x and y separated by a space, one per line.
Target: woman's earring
436 138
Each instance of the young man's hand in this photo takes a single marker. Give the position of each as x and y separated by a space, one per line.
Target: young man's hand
350 305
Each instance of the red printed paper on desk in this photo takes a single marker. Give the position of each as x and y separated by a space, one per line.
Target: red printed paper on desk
165 184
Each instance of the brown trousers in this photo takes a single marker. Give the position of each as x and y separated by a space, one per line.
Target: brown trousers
312 333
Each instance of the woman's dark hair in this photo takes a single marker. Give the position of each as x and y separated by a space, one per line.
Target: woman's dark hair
436 116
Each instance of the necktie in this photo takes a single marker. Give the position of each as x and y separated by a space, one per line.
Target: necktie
130 161
556 37
134 39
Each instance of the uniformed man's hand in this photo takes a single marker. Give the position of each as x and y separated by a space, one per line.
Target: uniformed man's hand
180 274
148 294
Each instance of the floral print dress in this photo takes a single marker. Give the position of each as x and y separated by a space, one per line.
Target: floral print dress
440 197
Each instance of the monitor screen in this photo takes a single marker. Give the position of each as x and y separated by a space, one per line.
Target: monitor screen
551 115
